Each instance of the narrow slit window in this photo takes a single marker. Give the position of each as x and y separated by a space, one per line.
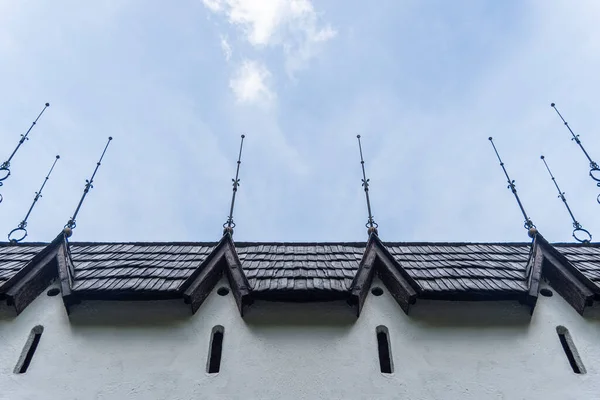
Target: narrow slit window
570 350
29 349
385 354
215 350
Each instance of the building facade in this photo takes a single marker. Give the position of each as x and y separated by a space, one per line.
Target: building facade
232 320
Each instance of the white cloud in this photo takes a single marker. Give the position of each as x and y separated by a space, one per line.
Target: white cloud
292 24
226 47
250 83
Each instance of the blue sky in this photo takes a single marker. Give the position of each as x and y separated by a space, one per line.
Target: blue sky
424 82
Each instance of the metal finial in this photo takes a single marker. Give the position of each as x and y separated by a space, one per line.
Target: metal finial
88 185
5 166
229 225
511 185
594 168
20 232
580 234
371 224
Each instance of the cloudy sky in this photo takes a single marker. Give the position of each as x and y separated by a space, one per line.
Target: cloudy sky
424 82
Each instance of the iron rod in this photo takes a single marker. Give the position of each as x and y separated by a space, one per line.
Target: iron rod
23 224
88 185
576 225
236 182
511 185
365 183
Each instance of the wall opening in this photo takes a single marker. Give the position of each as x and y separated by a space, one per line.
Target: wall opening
570 350
377 291
546 292
53 292
383 346
222 291
29 349
215 349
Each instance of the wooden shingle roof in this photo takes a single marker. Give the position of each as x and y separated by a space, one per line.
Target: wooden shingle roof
304 271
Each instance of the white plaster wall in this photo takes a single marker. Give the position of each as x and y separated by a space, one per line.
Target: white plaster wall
158 350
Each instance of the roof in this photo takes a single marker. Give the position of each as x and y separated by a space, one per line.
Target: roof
461 267
136 266
435 269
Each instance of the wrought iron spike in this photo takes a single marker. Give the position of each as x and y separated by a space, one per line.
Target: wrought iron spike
580 234
5 166
229 224
511 185
371 224
20 232
594 168
71 224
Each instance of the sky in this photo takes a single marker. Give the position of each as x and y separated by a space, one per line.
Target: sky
425 83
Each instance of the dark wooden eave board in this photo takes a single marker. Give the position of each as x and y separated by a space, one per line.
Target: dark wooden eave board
300 296
363 278
32 279
534 271
237 278
50 247
206 277
567 280
223 258
400 288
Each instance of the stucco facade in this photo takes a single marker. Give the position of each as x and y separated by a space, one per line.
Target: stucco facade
321 350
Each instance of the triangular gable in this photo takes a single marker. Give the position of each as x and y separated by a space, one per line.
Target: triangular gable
401 285
34 277
565 278
223 258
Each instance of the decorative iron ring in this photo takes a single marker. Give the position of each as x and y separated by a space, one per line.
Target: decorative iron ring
580 232
528 224
2 198
4 173
595 171
229 223
369 223
13 233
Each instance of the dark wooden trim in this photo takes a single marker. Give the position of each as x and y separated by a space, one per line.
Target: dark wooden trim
27 284
222 259
217 252
300 296
32 284
207 277
31 264
363 278
120 295
562 279
472 295
65 265
390 272
237 279
534 276
383 252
